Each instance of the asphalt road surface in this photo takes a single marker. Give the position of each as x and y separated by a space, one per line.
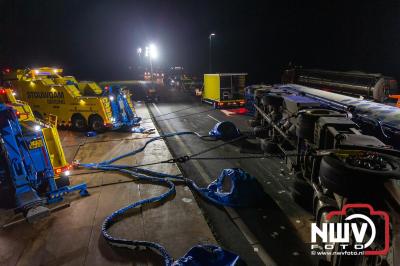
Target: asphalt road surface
276 231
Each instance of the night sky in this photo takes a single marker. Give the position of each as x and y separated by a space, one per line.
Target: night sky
98 39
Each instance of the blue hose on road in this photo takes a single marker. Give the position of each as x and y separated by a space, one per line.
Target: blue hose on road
214 254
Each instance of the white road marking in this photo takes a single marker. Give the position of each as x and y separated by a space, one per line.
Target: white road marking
158 110
213 118
186 200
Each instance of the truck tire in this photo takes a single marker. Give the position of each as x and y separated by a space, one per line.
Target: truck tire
78 122
349 180
96 123
62 181
306 122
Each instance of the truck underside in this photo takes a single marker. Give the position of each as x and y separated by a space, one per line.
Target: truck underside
334 161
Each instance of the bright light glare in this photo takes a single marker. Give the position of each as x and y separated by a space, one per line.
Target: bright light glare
139 50
37 128
153 51
111 98
67 173
14 94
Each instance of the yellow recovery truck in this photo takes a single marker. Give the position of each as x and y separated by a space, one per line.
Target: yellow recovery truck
224 89
80 105
48 128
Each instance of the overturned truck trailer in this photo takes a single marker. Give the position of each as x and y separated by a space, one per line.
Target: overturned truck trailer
375 87
343 152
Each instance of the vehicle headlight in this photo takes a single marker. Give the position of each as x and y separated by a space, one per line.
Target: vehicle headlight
111 98
37 128
112 119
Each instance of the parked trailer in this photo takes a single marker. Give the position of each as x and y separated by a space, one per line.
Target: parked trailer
27 180
375 87
336 165
80 105
224 90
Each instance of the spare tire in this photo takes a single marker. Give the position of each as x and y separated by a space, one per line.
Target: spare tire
306 121
345 178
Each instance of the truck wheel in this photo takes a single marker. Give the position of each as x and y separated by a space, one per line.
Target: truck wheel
96 123
62 181
306 121
78 122
354 175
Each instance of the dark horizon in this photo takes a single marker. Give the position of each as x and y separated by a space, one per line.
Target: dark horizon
98 39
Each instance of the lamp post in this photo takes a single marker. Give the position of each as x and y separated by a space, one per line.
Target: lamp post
139 52
151 52
210 53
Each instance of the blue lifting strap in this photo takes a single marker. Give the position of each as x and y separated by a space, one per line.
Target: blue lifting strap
244 190
225 130
209 255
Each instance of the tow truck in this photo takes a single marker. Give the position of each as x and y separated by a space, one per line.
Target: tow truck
48 128
27 179
80 105
327 141
224 90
